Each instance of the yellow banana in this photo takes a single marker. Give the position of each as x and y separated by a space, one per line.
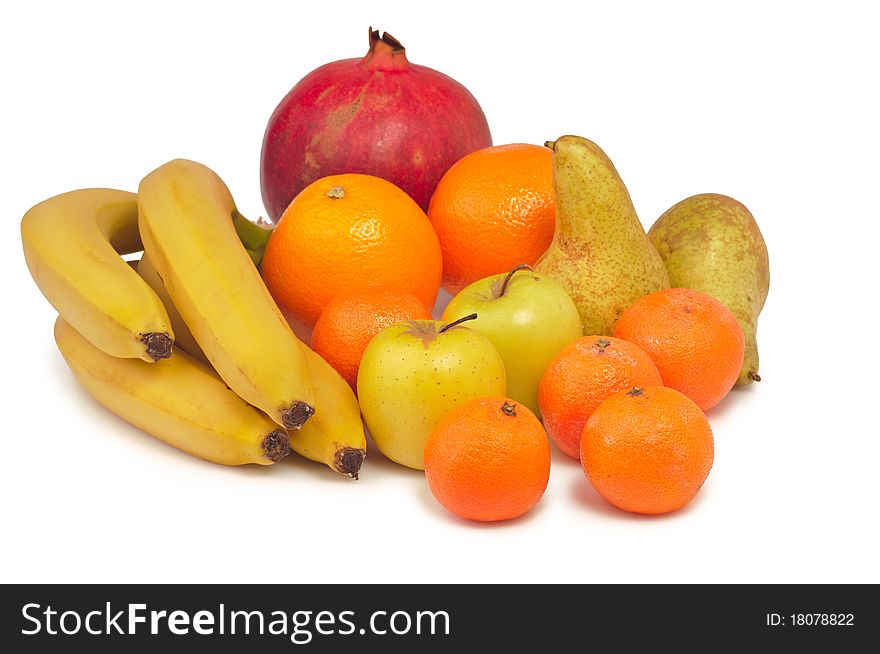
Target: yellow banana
72 244
177 400
183 338
185 220
334 435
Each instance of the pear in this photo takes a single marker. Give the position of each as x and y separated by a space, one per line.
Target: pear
711 243
600 253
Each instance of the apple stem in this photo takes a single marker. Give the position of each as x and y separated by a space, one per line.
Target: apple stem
452 324
522 266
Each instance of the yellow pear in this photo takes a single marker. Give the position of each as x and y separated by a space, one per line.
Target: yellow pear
712 244
600 253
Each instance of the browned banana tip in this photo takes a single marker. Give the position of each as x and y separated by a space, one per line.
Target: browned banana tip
159 345
349 460
276 445
295 416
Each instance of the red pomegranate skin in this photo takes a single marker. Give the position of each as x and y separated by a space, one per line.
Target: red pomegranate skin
379 115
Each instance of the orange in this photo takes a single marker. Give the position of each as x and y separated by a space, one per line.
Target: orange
695 341
488 459
581 377
647 450
492 210
346 232
349 323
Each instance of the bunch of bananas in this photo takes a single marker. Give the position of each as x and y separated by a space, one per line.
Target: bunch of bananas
188 345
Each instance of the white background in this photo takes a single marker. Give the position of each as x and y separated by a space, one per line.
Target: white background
775 104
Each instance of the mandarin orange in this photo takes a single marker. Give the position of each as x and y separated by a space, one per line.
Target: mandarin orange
647 450
488 460
581 377
349 323
695 341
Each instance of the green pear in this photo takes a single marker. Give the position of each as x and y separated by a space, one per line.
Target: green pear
712 244
600 253
413 373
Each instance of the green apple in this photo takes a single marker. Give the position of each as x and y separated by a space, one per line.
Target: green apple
413 373
528 317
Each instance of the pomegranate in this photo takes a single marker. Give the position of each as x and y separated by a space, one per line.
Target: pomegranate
380 115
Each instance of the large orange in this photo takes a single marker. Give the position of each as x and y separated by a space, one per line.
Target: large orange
488 459
695 341
494 209
586 372
647 450
349 323
344 233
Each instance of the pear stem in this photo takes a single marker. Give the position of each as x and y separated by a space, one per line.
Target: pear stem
522 266
452 324
755 377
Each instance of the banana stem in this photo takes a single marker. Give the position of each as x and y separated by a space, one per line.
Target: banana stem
253 235
256 256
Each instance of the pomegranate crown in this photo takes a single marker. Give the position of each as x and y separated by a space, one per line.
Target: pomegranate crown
386 52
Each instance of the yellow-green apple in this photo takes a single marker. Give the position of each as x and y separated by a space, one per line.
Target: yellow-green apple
528 317
413 373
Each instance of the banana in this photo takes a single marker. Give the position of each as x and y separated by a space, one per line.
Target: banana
183 338
177 400
72 244
185 219
334 435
